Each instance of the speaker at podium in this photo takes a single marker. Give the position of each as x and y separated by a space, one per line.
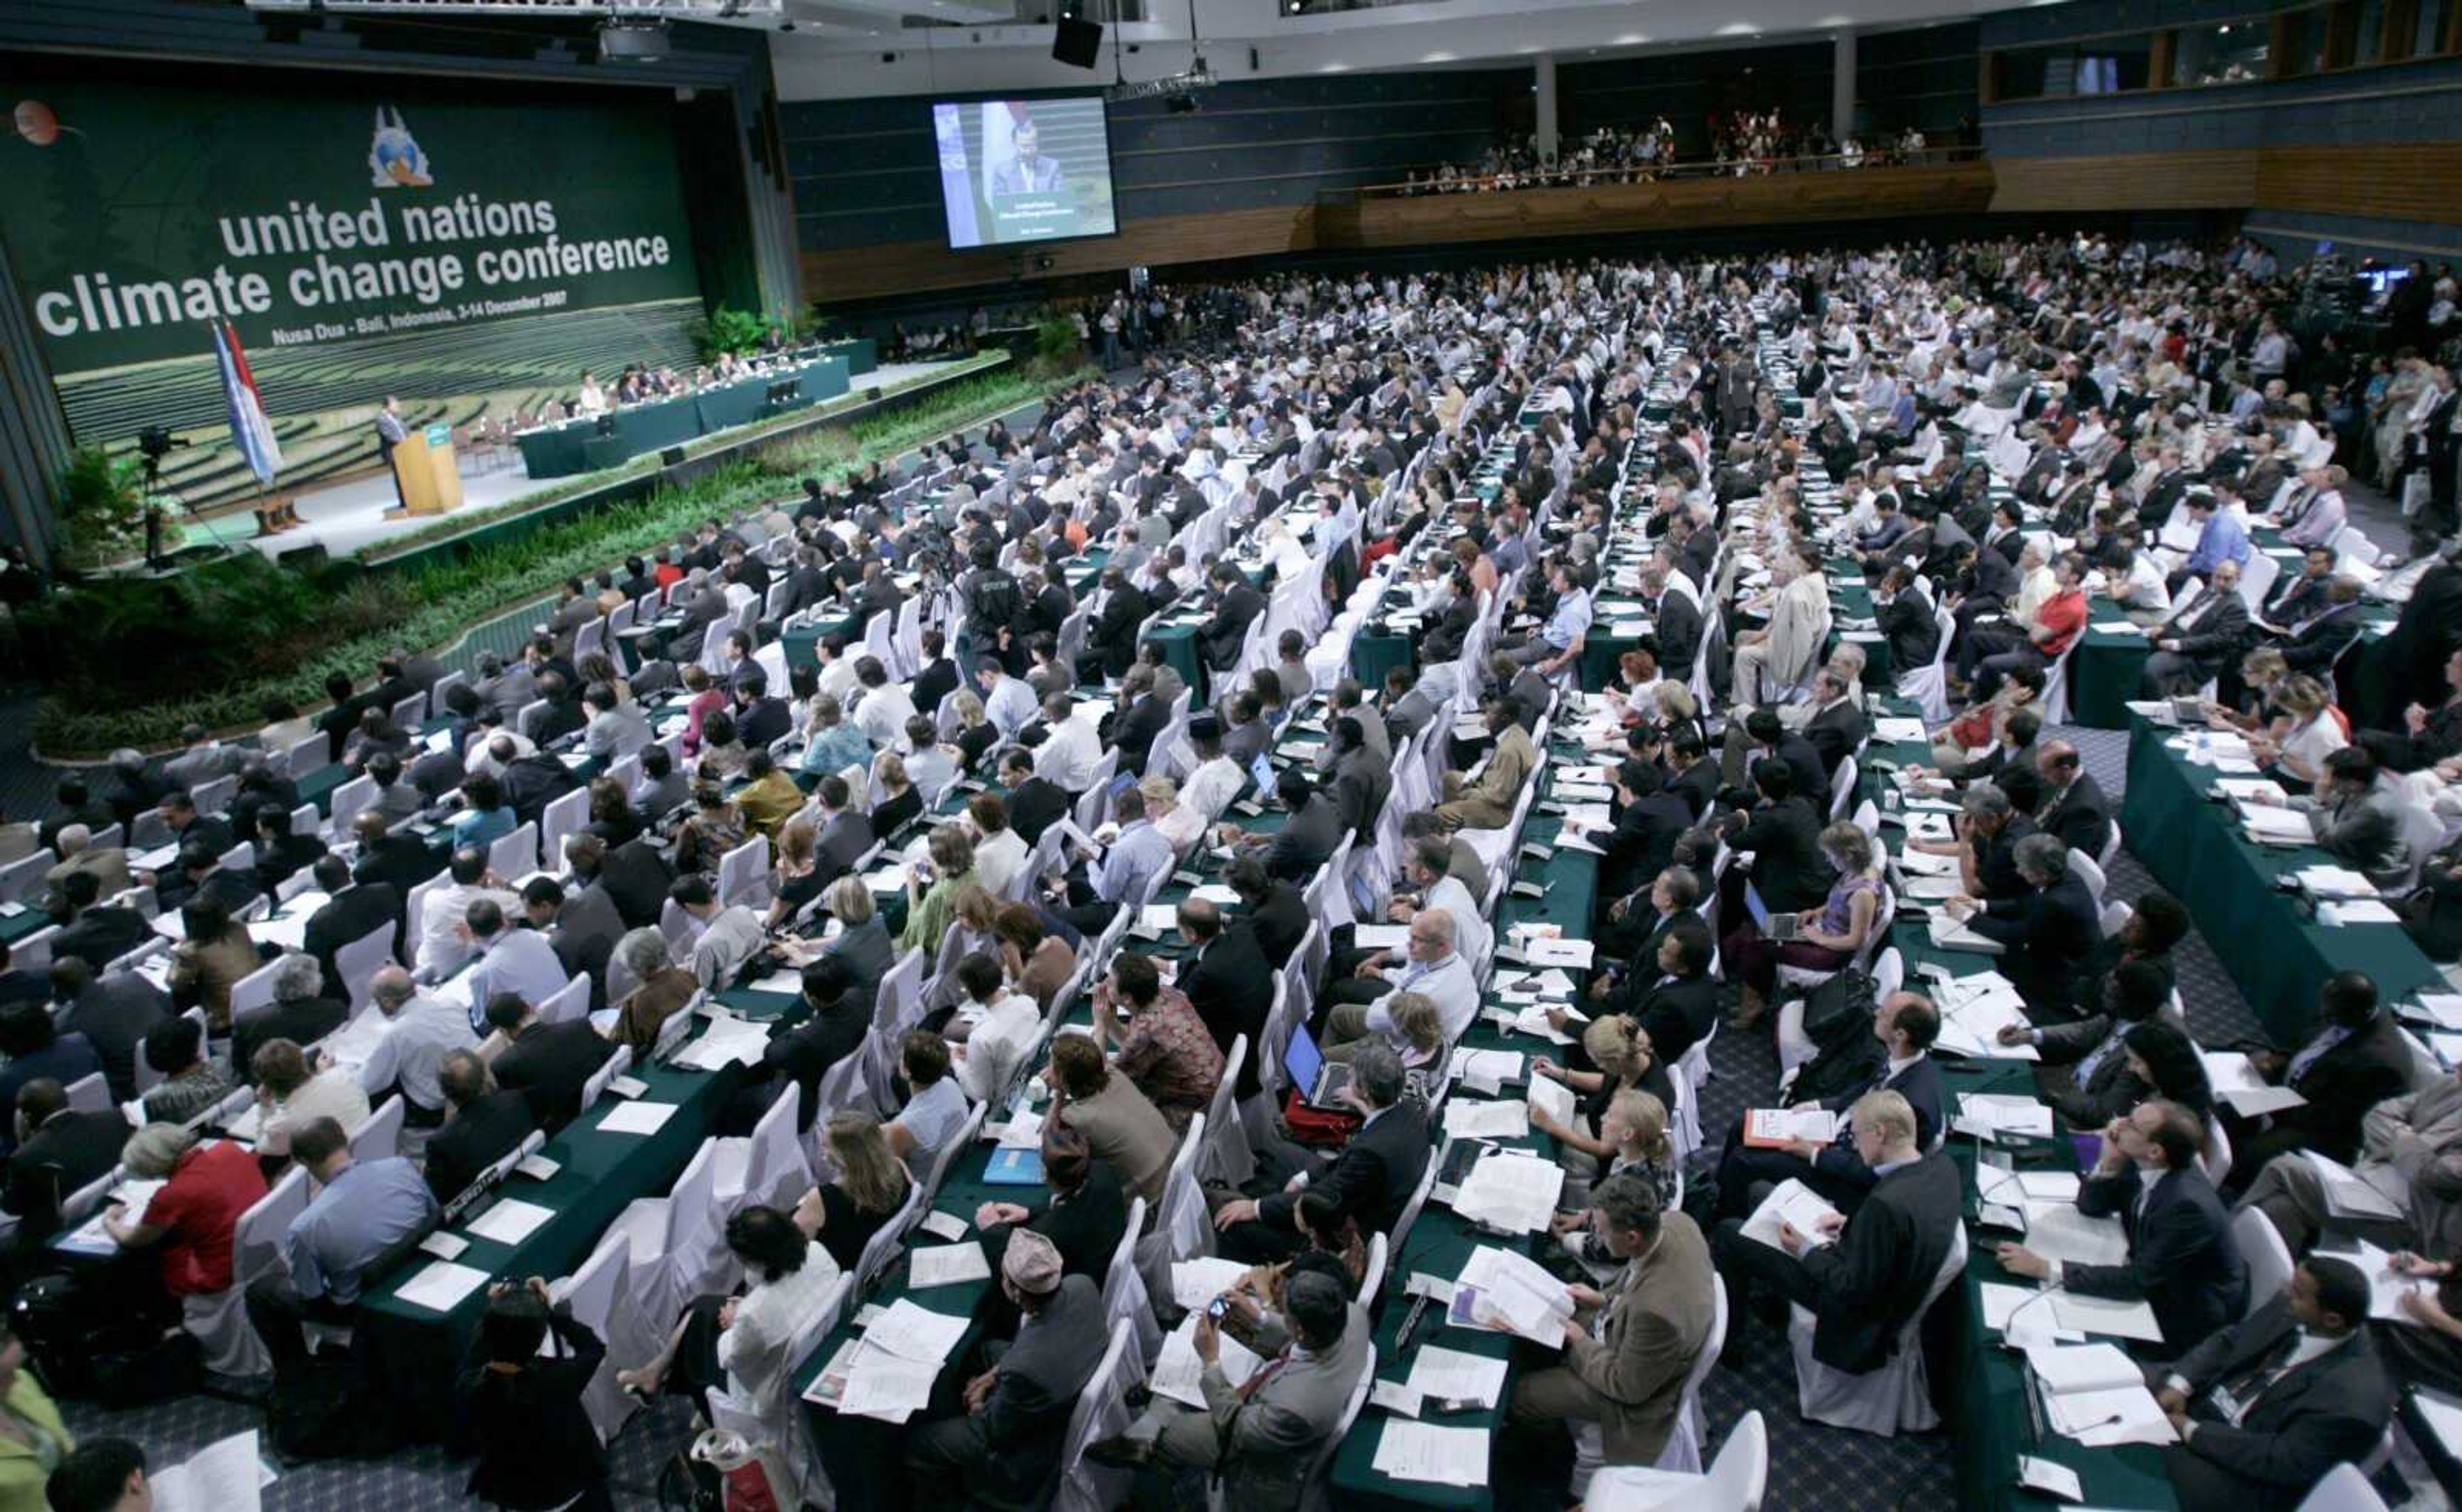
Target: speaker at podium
424 467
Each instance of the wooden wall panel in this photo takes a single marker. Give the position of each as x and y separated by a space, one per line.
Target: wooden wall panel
2147 181
2406 182
1676 203
841 274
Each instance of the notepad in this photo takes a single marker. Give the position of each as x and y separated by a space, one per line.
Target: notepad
1381 937
538 1167
1415 1451
441 1286
1793 1203
946 1266
916 1334
636 1118
1199 1281
944 1226
1452 1375
511 1222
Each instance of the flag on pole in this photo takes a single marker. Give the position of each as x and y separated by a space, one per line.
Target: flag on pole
250 431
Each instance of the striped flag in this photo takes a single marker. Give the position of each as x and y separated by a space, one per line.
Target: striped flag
250 431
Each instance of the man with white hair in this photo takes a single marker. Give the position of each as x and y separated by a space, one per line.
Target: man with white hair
1363 1004
421 1029
299 1012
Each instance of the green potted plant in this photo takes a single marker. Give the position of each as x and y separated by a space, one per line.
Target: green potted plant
100 500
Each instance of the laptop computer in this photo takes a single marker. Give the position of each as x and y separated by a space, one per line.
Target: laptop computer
1320 1081
1773 926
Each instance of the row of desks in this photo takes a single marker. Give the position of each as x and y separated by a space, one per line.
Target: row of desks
579 446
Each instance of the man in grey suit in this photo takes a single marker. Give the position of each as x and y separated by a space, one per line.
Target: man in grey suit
1004 1451
846 834
2200 641
615 730
1262 1438
1627 1353
507 690
2357 817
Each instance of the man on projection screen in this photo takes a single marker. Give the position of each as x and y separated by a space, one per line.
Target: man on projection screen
1029 171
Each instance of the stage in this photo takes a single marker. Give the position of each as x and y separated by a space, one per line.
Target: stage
360 513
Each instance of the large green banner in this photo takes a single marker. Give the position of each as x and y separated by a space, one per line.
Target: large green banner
139 215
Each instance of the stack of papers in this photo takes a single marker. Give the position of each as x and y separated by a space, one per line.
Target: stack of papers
876 1383
1991 1114
2057 1230
1974 1009
916 1334
946 1266
1469 1118
1949 934
1452 1375
1451 1457
1194 1282
2269 826
441 1286
1511 1189
1895 729
1532 1019
2097 1395
1769 1126
2386 1285
90 1238
1486 1070
728 1042
1791 1202
2373 1190
509 1221
2237 1083
636 1118
1508 1292
1178 1370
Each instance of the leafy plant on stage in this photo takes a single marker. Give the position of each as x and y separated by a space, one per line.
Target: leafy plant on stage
101 508
1057 347
727 329
129 666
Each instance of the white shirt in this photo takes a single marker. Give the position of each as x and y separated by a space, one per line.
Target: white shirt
997 860
441 950
883 713
520 961
1011 706
1448 982
2315 741
997 1042
1470 930
837 679
1069 754
1211 788
414 1045
754 1350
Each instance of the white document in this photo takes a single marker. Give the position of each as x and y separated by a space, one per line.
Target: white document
1451 1457
511 1222
2001 1301
2059 1231
2020 1116
2086 1368
944 1226
1486 1071
1575 953
538 1167
916 1334
629 1086
1452 1375
2122 1415
788 982
1469 1118
2251 1101
1511 1189
1394 1397
1790 1201
1551 1098
638 1118
2110 1316
945 1266
1817 1124
2277 826
2386 1285
1381 936
441 1286
1178 1370
443 1245
226 1477
1552 984
1197 1281
1512 1294
2356 911
2349 1194
1895 728
2050 1477
887 1386
2443 1415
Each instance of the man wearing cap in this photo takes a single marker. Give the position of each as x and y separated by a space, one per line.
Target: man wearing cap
1260 1437
1006 1448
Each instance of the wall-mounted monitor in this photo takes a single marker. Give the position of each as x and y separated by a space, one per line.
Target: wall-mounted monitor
1014 171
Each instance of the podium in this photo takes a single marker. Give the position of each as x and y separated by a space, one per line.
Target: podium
423 466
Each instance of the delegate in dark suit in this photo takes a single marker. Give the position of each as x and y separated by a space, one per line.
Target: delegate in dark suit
1679 629
1912 629
1006 1454
2079 815
1223 633
1276 925
2182 1261
1033 805
549 1063
1306 839
115 1014
1788 868
1113 638
476 1137
1864 1287
352 914
585 930
1136 732
1369 1182
2368 1064
1232 990
2210 633
2294 1423
2048 932
69 1151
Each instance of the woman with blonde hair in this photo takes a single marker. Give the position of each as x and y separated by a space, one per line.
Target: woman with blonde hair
1635 1129
976 734
1620 1049
1420 1026
1182 826
972 914
871 1186
2310 731
2263 673
931 906
1678 709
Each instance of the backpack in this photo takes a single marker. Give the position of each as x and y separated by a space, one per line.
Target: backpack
87 1344
1837 1018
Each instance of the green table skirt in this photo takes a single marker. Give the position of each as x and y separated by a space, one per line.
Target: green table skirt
416 1351
2279 958
1985 1405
